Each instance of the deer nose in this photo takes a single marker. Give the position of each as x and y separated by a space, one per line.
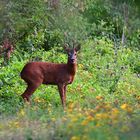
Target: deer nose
72 57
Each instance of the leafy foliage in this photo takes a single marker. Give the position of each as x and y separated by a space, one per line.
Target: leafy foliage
104 100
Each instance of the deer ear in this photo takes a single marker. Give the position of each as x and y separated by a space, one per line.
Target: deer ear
78 47
66 47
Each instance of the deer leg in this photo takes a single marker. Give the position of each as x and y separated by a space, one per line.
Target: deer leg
62 92
65 93
29 91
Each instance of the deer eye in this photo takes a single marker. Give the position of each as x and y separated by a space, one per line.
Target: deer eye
69 54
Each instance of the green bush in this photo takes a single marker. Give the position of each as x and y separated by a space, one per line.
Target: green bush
103 101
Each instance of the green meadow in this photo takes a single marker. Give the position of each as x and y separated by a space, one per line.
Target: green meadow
103 102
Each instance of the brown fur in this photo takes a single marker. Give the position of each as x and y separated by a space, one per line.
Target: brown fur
37 73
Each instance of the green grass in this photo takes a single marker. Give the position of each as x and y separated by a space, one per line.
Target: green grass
102 103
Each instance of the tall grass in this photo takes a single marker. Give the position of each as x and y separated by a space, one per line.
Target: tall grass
102 103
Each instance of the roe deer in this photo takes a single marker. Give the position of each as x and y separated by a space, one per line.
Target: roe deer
37 73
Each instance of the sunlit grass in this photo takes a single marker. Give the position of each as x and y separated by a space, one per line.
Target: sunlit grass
92 112
42 120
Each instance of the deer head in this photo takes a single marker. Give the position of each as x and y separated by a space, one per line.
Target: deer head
72 53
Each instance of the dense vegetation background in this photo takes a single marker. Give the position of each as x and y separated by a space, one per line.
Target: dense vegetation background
104 100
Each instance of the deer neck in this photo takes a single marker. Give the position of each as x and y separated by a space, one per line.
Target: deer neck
71 67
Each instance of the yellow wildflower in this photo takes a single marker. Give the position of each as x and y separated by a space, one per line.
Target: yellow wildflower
84 122
80 66
14 124
90 118
49 110
93 111
86 112
87 120
17 124
22 112
39 100
100 116
71 105
49 104
126 107
115 111
70 126
53 119
74 119
138 98
99 97
107 106
79 115
114 114
70 110
98 125
84 137
75 138
69 115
